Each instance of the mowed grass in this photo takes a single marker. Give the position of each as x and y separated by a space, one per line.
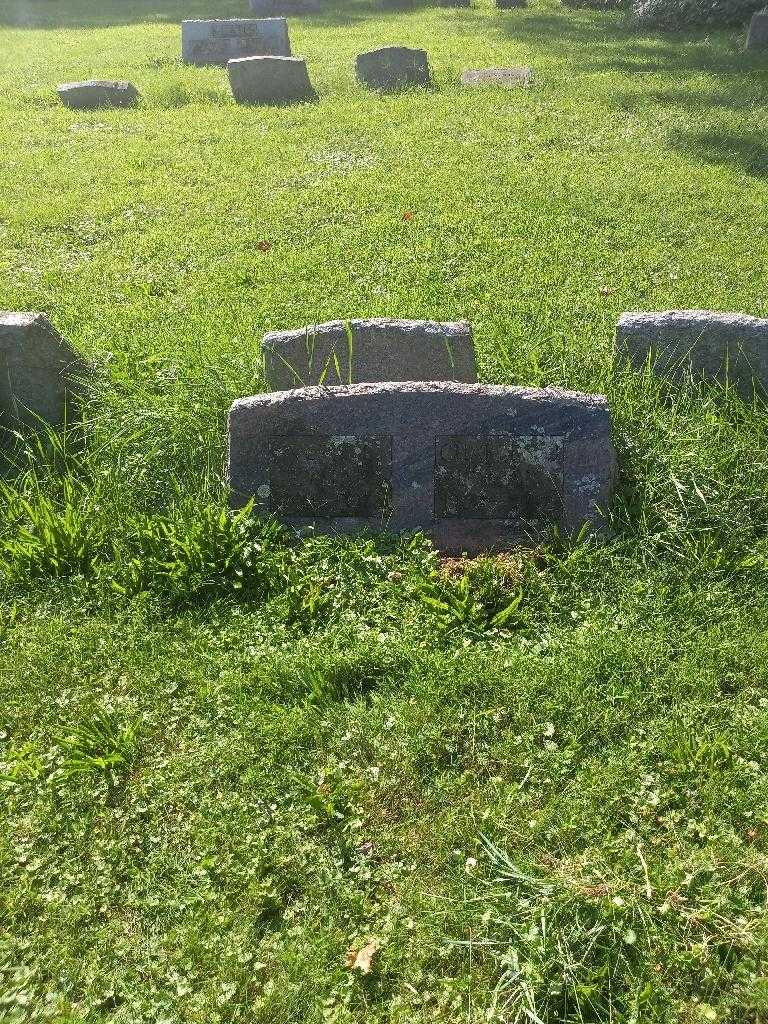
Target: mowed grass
532 787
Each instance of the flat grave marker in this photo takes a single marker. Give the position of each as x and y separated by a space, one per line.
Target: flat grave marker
506 77
475 466
97 93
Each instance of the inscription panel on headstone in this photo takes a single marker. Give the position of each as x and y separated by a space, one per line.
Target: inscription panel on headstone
475 466
499 477
330 476
217 42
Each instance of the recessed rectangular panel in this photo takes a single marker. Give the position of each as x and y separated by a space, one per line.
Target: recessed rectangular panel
330 476
508 477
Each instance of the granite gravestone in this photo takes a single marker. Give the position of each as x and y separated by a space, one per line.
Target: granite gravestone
504 77
218 42
94 94
393 67
757 35
475 466
369 351
38 370
698 343
273 80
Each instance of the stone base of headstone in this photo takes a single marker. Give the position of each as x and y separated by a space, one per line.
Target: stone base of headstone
38 370
371 351
504 77
94 94
757 35
271 80
391 68
219 41
475 466
698 344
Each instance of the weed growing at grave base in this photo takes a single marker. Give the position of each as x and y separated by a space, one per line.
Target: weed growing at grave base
244 779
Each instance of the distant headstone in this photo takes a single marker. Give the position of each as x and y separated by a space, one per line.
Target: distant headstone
505 77
454 3
218 42
507 5
95 93
757 35
284 8
393 67
37 369
273 80
369 351
698 343
475 466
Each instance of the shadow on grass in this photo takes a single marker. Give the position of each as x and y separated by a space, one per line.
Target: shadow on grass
51 14
747 153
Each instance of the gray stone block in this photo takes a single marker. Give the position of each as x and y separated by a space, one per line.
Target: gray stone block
504 77
274 80
508 5
94 94
698 343
284 8
475 466
393 67
38 370
757 35
379 350
226 39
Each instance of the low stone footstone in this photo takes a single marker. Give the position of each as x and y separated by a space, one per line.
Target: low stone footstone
504 77
284 8
273 80
38 369
393 67
694 342
475 466
757 35
218 42
95 94
369 351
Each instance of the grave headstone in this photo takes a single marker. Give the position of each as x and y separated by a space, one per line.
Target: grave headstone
507 5
218 42
370 351
698 343
38 369
454 3
95 93
757 34
505 77
475 466
284 8
273 80
393 67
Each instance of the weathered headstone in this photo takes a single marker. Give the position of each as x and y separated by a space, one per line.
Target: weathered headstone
93 94
369 351
507 5
274 80
393 67
284 8
698 343
218 42
38 369
476 466
505 77
757 35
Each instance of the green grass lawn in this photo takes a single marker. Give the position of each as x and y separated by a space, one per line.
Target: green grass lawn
229 763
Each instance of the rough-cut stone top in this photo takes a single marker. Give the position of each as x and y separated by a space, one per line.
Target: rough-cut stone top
98 83
351 392
705 317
